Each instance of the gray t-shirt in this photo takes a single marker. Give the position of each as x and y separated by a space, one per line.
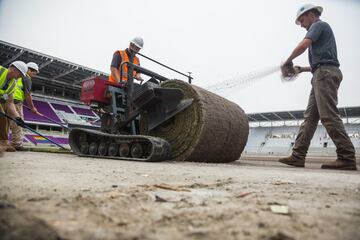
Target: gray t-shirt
323 47
27 84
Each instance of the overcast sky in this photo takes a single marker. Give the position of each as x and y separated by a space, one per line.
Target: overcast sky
215 40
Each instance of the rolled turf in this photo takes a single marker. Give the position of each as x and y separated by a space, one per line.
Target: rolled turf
212 129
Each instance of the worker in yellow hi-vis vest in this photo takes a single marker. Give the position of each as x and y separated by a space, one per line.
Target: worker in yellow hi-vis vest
8 80
23 92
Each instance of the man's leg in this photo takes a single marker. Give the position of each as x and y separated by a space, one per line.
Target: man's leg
305 134
326 86
3 126
4 130
307 128
17 131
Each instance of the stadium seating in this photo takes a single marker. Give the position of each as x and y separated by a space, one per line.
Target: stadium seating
44 108
38 140
279 140
256 139
62 107
60 112
83 111
276 146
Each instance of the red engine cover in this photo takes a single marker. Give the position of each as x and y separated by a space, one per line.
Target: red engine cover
94 90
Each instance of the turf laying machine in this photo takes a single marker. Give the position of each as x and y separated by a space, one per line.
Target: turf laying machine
159 120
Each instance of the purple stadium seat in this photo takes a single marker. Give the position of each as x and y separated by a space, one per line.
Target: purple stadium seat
44 108
83 111
97 123
61 107
35 139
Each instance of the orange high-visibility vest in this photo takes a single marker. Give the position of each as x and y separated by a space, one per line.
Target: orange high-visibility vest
124 58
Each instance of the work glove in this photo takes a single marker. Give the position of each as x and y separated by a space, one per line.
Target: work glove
289 72
20 122
297 69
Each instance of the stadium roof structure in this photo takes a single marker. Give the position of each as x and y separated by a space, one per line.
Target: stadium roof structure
345 112
54 73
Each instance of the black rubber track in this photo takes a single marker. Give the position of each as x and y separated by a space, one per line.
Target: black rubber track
157 149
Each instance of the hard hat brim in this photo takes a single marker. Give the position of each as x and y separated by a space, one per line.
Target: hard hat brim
34 69
22 74
319 8
136 45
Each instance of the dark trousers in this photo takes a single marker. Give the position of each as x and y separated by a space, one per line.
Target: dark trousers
322 105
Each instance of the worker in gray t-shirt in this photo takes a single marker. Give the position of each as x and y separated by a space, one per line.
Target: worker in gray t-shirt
23 93
324 65
27 85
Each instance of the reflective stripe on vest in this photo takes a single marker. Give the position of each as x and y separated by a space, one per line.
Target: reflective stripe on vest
7 87
19 91
124 58
2 70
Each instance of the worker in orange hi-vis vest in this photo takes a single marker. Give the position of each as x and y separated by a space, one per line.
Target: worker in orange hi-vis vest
121 56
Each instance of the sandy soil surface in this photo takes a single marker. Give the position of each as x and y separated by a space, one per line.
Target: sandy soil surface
61 196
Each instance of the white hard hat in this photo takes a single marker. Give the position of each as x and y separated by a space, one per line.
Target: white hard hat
306 8
33 65
138 41
21 66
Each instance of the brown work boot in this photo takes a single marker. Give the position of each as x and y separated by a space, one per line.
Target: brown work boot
9 148
293 161
340 165
2 150
20 148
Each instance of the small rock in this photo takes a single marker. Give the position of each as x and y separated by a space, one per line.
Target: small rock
38 199
261 225
122 223
113 195
243 194
114 186
281 236
279 209
281 182
6 205
78 197
159 199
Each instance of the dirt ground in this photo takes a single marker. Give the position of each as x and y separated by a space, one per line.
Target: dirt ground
61 196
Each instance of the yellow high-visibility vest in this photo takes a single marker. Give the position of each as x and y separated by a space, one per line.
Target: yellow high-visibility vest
7 87
19 93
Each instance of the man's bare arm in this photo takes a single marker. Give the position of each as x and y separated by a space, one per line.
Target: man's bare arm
300 49
11 106
30 103
116 73
305 69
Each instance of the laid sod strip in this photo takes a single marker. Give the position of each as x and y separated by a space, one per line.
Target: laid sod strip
49 150
212 129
